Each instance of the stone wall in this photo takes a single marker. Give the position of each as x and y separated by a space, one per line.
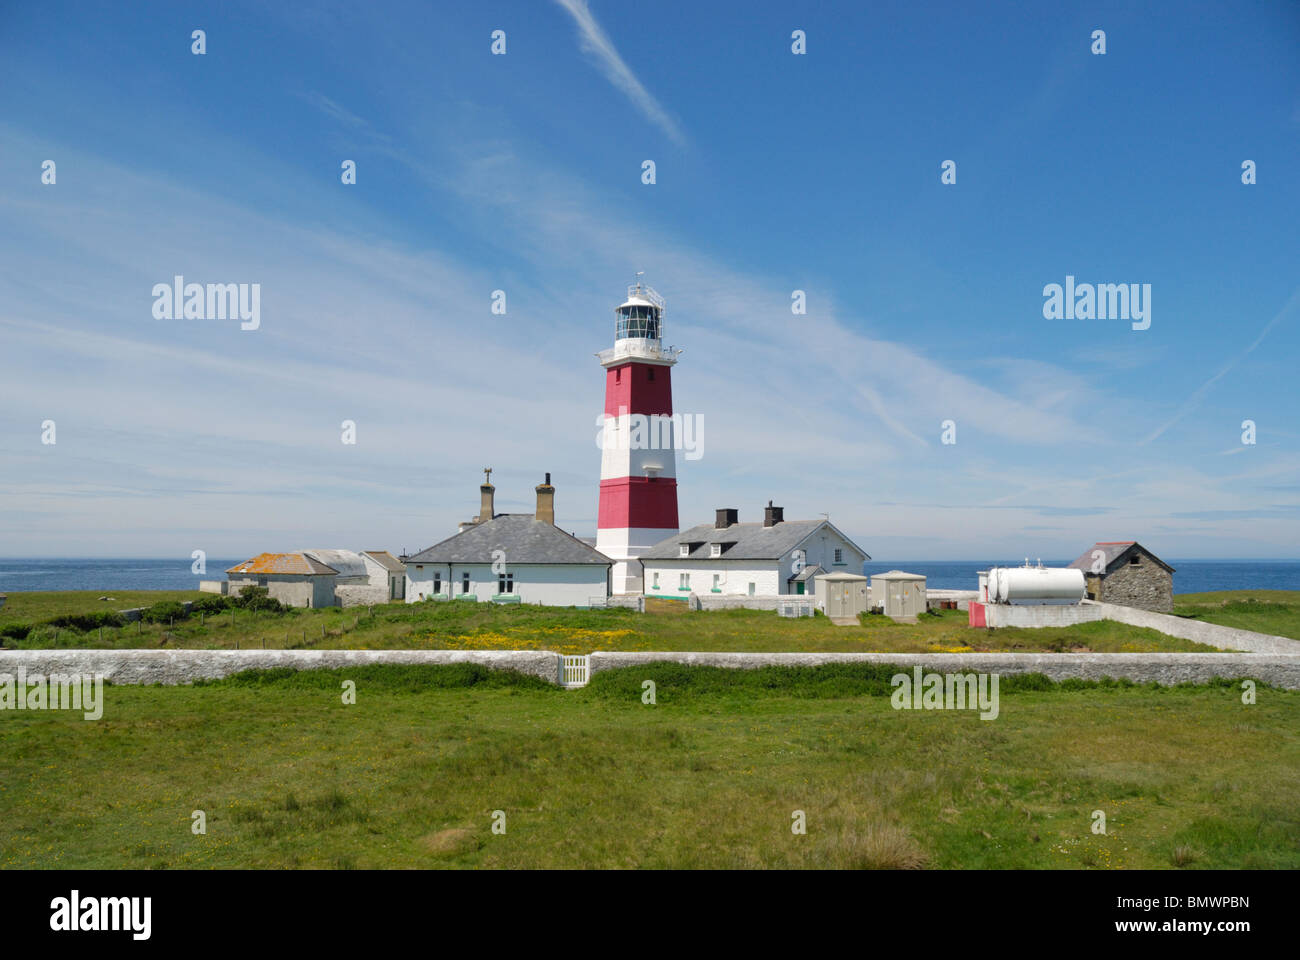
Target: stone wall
1225 638
361 595
1282 670
1145 585
172 667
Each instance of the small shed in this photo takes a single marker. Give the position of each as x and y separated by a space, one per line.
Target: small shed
899 594
841 594
1127 573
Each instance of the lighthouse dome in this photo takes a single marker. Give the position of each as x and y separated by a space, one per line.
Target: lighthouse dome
641 315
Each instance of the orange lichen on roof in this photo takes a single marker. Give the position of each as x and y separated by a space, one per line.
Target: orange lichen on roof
282 563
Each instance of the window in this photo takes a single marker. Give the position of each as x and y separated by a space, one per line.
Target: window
684 581
656 580
464 582
839 555
1135 559
684 550
618 375
650 373
505 583
715 549
751 589
716 578
437 583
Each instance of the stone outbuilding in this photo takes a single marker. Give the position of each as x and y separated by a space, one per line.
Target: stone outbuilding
294 579
1126 573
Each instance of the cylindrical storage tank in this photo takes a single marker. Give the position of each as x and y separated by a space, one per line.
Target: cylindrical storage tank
995 585
1059 585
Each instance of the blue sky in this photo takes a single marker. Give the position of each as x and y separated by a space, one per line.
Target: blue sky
775 172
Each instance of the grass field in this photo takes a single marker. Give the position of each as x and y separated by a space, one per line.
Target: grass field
709 776
485 626
38 605
1274 612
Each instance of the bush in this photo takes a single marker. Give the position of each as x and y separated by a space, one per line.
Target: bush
15 631
164 611
210 604
88 621
257 598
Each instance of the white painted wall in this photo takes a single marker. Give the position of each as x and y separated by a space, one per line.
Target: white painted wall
768 576
734 577
552 585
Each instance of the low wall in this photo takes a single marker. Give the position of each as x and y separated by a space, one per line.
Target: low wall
171 667
740 601
213 586
361 595
1282 670
1040 614
1225 638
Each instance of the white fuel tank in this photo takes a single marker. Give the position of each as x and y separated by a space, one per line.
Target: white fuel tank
1036 585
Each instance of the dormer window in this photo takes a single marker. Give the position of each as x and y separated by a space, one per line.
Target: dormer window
715 549
684 550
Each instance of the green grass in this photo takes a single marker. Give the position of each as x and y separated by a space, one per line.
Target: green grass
39 605
486 626
1275 612
410 775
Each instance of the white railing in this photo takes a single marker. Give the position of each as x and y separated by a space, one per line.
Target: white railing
574 672
640 349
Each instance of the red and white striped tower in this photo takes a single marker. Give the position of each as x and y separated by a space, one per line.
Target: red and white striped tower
638 469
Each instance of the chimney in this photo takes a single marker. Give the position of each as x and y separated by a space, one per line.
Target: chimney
546 501
773 515
486 511
726 517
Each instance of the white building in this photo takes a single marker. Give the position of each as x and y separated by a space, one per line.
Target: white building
727 557
510 558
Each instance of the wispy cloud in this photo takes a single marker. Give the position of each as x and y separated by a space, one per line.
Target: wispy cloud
595 42
1190 403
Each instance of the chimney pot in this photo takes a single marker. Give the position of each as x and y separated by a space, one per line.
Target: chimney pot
773 515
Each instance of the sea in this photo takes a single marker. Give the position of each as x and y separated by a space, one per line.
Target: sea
1191 576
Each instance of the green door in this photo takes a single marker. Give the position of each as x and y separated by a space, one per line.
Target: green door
798 587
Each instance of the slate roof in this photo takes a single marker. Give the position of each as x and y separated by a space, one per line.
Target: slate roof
521 536
748 541
807 573
295 563
1114 551
385 560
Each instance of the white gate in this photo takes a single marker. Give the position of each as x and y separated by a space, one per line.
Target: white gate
574 672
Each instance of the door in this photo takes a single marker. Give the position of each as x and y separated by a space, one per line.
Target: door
798 587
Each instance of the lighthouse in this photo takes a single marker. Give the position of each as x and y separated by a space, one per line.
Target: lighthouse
638 469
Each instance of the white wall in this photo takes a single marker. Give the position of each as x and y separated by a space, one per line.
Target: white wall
820 548
734 577
554 585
